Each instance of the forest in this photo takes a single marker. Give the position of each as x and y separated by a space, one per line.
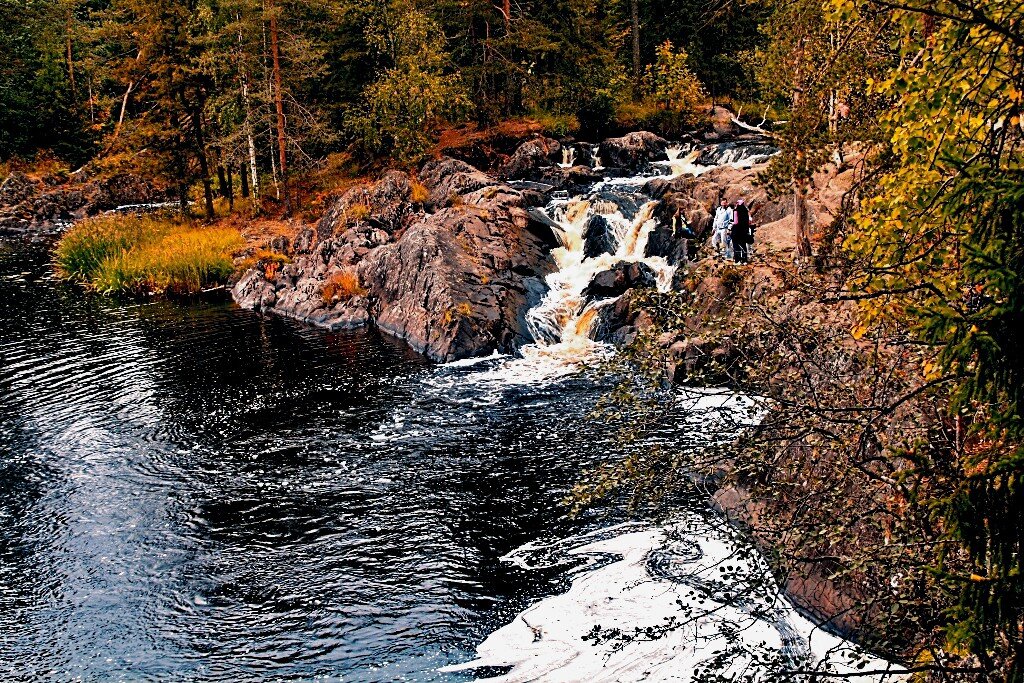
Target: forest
895 446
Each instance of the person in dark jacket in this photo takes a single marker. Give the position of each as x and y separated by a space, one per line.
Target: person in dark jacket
741 234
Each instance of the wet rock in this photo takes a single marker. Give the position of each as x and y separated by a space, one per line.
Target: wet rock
598 237
573 180
633 150
576 154
619 279
624 202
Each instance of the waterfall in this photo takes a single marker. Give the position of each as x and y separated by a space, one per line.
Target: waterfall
568 157
563 322
679 164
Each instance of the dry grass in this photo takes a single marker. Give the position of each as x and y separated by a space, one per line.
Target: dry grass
146 255
270 261
342 286
357 212
419 193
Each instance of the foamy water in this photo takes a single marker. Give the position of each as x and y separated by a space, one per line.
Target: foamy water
680 601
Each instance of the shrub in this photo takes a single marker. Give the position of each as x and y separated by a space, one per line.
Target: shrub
419 193
342 286
270 261
143 255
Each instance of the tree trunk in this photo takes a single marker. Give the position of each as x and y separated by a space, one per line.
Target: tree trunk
803 227
279 107
71 61
124 106
200 152
634 23
247 126
179 164
231 188
222 181
244 177
506 13
800 181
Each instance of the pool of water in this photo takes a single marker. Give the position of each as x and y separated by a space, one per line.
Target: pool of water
191 491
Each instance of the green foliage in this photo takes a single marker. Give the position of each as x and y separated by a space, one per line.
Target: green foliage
671 83
39 109
132 255
413 93
943 242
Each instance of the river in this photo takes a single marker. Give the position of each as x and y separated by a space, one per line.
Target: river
192 492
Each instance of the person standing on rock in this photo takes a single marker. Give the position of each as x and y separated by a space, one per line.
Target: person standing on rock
723 224
741 235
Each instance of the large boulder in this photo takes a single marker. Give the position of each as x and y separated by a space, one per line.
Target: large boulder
384 204
619 279
598 237
449 179
720 125
633 150
527 162
453 284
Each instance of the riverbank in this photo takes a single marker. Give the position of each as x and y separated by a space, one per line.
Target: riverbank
847 532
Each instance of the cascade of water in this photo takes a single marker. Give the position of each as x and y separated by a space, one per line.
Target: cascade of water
568 157
563 322
679 164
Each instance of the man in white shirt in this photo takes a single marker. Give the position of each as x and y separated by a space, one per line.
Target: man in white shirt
720 241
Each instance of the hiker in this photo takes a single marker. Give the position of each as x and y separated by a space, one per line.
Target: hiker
723 224
742 237
682 231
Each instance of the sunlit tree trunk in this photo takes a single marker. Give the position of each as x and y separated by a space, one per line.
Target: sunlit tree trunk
279 106
800 181
247 126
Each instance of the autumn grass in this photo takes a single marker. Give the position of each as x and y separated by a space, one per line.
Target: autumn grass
146 255
342 286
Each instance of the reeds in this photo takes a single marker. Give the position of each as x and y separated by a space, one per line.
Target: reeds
146 255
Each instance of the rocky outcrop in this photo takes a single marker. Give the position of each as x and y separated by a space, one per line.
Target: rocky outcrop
453 283
530 157
619 279
48 204
633 150
598 237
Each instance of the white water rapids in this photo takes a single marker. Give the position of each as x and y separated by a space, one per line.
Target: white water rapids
687 600
563 322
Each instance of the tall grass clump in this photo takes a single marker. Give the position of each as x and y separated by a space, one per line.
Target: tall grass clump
146 255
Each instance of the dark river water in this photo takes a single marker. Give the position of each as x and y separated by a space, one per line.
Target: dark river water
193 492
